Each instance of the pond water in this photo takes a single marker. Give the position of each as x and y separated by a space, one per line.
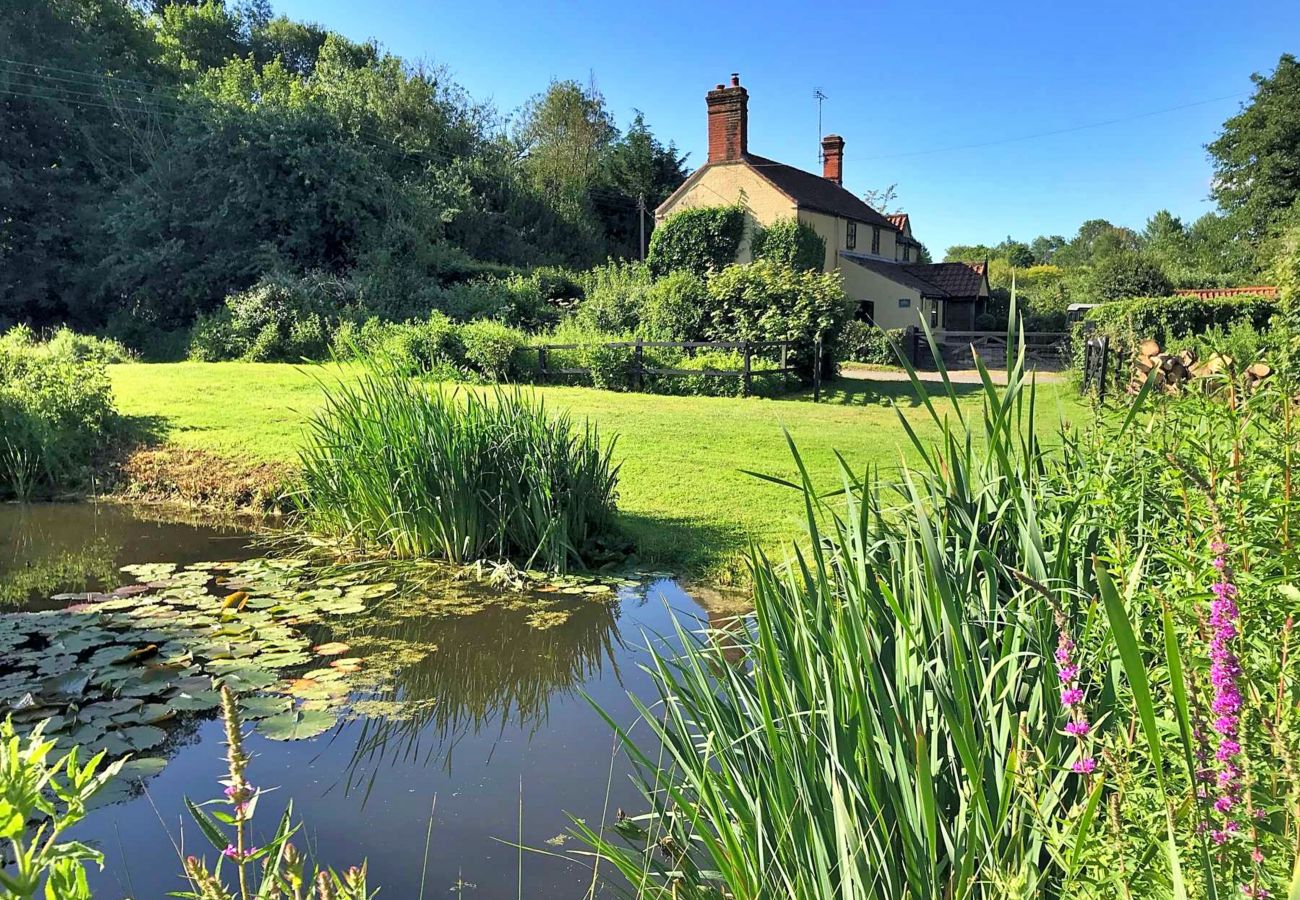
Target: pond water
471 714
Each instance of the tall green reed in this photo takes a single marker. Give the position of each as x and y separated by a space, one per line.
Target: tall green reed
894 730
422 471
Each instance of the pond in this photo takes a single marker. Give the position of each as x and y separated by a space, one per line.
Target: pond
430 702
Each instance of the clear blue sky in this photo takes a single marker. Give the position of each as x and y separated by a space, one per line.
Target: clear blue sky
904 80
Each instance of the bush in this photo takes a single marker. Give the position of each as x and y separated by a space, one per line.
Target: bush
431 347
791 243
867 343
763 301
517 301
279 319
674 307
430 473
701 240
56 413
615 297
763 384
986 321
492 349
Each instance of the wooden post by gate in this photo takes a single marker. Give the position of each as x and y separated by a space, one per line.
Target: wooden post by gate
747 379
541 363
638 365
817 369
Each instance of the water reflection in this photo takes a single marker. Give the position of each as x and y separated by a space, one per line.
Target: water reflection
491 671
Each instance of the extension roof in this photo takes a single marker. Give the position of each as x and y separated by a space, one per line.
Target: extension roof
943 281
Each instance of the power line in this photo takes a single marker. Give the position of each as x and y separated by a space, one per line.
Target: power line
1071 129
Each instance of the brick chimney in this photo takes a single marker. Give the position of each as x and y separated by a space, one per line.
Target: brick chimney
728 121
833 158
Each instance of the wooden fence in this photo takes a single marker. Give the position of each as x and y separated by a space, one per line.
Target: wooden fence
1043 348
639 370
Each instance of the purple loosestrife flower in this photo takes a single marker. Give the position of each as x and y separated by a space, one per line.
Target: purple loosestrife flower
1225 670
1072 697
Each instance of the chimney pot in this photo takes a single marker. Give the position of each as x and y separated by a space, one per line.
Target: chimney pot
833 158
728 121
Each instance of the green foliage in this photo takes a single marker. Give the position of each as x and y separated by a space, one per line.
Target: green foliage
429 348
280 319
615 297
1257 156
706 385
763 301
935 628
673 308
702 240
419 472
56 412
1121 276
1126 322
36 785
791 243
492 349
867 343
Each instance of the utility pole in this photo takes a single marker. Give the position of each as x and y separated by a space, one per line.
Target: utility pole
820 98
640 208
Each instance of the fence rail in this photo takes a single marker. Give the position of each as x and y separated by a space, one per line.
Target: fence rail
992 346
639 370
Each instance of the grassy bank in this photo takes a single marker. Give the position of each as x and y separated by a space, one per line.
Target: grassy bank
683 492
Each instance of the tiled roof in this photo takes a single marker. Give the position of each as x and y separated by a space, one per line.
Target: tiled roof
898 220
1259 290
893 271
954 279
950 280
815 192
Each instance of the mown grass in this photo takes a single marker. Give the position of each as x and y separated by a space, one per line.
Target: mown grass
684 493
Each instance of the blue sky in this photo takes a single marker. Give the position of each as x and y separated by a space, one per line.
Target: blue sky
906 83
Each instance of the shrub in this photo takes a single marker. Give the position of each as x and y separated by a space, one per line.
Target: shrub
56 414
674 307
431 347
281 318
986 321
763 301
492 349
701 240
517 301
792 243
615 297
867 343
431 473
763 384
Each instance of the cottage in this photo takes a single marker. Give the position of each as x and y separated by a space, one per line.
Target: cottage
876 254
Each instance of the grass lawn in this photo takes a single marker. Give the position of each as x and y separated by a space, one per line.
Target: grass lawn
682 491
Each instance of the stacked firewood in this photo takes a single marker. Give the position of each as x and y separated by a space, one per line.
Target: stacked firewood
1174 370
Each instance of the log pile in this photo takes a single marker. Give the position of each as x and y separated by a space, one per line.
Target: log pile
1173 371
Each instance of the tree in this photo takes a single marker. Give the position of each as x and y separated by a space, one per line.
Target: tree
882 201
969 253
1045 247
638 165
1256 157
1017 253
1126 274
565 133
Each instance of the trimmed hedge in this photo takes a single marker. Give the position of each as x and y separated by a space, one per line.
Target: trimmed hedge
1126 322
867 343
792 243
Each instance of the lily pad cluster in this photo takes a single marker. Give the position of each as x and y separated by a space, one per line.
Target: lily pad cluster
107 671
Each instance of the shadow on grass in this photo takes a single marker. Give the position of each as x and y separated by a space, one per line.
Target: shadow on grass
860 392
687 547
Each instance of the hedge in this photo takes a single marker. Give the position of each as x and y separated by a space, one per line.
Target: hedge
701 240
1126 322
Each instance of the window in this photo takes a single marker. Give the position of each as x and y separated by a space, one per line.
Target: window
907 253
851 236
875 239
904 303
934 313
866 311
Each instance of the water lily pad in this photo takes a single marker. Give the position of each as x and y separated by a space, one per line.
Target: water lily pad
296 725
334 648
193 701
247 679
259 707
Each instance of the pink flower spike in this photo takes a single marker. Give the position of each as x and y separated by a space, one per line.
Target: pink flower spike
230 852
1078 729
1085 766
1071 696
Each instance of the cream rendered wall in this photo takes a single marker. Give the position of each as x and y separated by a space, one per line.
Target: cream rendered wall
864 284
834 231
724 183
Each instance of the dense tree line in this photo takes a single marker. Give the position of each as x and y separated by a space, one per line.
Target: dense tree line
1256 186
157 157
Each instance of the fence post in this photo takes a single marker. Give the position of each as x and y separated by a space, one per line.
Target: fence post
747 381
1101 371
914 340
785 354
638 366
541 363
817 369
